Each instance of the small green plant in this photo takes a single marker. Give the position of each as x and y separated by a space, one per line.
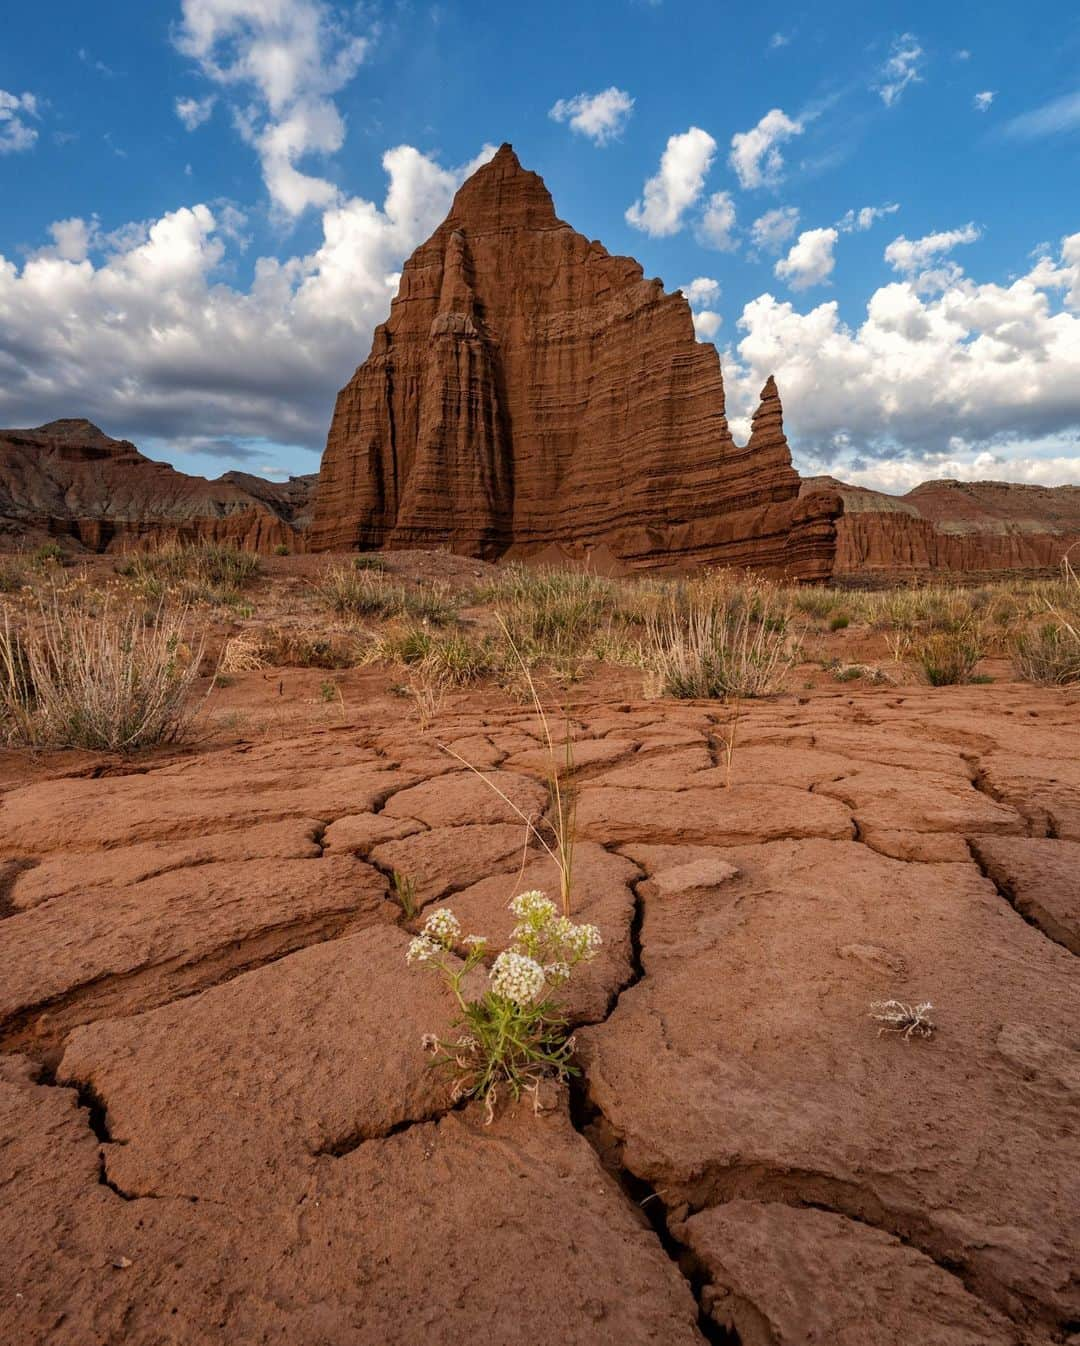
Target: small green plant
949 657
328 691
405 894
849 673
368 561
840 622
514 1035
49 553
281 549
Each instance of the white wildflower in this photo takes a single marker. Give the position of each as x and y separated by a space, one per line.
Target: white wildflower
534 908
422 950
478 940
517 978
578 942
443 926
557 973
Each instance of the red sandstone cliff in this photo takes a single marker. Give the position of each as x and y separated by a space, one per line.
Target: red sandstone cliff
69 479
940 526
530 392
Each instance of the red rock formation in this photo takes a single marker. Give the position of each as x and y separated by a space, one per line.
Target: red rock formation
69 479
965 527
529 391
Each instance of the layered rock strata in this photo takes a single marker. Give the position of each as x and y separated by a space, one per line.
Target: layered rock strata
530 393
965 527
70 480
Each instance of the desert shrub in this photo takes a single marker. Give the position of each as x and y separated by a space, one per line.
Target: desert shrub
716 653
368 593
514 1035
281 549
108 680
49 553
369 561
202 572
310 647
840 622
451 657
551 616
949 657
13 575
1049 654
815 602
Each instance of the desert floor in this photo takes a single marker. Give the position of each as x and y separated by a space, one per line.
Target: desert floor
219 1124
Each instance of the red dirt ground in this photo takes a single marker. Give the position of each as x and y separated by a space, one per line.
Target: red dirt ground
219 1125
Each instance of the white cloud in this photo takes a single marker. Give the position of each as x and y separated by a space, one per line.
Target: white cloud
15 133
996 367
194 111
911 255
1053 118
903 67
701 291
716 228
600 116
773 229
982 101
138 330
779 40
676 186
810 261
754 154
706 324
862 219
284 59
901 475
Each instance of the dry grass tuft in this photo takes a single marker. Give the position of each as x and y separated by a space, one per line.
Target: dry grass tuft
948 658
106 680
908 1021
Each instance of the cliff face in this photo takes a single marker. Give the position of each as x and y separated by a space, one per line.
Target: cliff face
530 393
69 479
970 527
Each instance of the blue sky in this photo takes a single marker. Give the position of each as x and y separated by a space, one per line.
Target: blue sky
207 202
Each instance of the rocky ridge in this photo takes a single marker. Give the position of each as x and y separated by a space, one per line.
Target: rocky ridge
532 394
964 527
69 480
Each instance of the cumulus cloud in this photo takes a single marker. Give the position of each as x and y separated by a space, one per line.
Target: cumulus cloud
982 101
602 117
284 61
912 255
810 261
862 219
16 134
678 184
194 111
771 231
138 330
903 67
700 294
755 155
701 291
716 228
996 367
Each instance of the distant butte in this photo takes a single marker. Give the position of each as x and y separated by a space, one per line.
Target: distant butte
532 394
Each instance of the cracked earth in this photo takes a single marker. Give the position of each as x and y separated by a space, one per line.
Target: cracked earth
219 1126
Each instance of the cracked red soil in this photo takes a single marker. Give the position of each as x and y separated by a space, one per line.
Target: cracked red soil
219 1126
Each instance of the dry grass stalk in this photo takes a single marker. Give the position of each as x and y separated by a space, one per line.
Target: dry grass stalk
715 652
908 1021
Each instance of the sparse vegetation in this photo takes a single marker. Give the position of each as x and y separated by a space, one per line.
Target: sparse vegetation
107 680
196 573
405 894
352 592
1049 654
514 1035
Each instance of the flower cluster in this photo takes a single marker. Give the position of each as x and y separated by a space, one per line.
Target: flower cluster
441 931
516 977
555 942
